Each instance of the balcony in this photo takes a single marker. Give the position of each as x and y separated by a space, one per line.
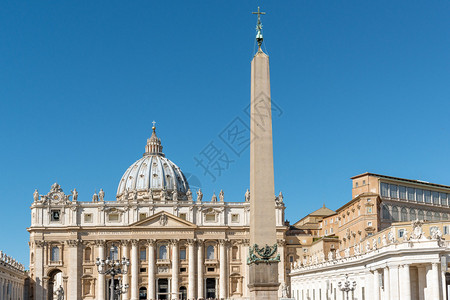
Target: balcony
160 261
55 263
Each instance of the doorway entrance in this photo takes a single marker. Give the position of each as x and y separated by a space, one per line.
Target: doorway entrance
163 289
54 282
210 288
108 289
142 293
183 293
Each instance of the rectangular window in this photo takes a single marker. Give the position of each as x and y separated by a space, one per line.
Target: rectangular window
427 196
142 270
113 217
143 254
436 198
402 192
356 184
182 270
443 198
445 229
331 230
210 218
364 182
183 216
384 189
210 269
183 254
369 223
369 210
55 215
401 232
411 194
234 218
393 191
326 232
88 218
142 216
419 195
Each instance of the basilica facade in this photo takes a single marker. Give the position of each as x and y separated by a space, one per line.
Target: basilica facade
179 244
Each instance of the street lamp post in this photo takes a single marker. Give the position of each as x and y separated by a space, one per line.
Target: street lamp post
114 267
347 286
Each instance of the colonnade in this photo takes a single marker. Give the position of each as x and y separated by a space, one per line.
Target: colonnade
11 290
396 282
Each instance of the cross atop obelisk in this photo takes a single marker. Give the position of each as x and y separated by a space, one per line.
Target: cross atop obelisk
259 36
263 258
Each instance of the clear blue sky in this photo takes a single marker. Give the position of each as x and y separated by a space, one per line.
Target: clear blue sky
362 86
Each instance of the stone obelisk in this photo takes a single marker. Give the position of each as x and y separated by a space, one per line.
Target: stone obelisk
263 259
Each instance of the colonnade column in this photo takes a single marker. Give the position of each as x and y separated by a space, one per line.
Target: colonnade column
386 284
125 277
421 274
74 283
175 269
222 269
393 280
151 270
405 283
434 284
200 263
376 285
134 269
191 267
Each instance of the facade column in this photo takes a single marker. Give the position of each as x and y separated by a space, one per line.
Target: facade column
281 266
74 283
386 284
421 274
405 283
200 266
101 277
151 270
222 269
434 284
191 268
376 285
38 269
175 269
134 270
245 245
125 276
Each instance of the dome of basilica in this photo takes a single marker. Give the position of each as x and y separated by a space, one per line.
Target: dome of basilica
153 176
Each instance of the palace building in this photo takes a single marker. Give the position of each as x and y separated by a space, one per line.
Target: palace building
391 239
180 245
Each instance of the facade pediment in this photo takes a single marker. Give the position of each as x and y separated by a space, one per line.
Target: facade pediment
164 219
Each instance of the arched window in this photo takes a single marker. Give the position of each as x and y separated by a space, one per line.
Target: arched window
87 254
114 252
404 215
163 252
421 215
437 216
429 216
32 257
54 256
395 213
210 252
386 214
412 214
234 253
